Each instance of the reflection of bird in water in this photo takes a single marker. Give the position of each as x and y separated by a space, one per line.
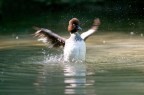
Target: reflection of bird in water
75 78
74 46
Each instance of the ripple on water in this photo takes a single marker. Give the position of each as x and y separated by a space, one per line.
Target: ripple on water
112 67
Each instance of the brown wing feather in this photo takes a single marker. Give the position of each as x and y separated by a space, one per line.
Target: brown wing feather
50 37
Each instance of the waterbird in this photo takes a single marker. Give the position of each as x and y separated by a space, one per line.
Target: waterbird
74 48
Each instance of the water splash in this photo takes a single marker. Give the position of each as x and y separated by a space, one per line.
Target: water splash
53 59
56 57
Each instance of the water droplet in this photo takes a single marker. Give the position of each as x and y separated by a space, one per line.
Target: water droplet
131 33
141 34
104 41
16 37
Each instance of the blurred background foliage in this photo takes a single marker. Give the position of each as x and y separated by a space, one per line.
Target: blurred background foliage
19 16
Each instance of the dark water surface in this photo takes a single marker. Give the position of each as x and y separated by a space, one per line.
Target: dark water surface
114 66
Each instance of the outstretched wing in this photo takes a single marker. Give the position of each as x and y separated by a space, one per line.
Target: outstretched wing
47 36
92 30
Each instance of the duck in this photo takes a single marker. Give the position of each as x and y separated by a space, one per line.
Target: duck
74 47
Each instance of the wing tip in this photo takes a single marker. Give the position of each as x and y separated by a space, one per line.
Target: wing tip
96 22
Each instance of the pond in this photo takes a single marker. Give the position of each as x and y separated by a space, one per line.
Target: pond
114 66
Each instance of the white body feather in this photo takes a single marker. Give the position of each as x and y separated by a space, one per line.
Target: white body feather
75 48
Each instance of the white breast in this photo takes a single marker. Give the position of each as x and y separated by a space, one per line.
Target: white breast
74 50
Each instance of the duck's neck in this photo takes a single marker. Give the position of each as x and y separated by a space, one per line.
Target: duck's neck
76 36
